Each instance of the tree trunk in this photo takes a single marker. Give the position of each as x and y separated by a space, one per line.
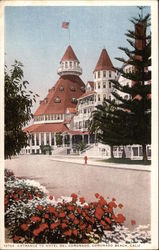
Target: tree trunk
144 152
111 151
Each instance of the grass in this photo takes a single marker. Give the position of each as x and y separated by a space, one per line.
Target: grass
128 161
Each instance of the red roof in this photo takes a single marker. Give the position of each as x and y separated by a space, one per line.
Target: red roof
104 62
66 88
46 127
69 55
91 84
72 110
87 94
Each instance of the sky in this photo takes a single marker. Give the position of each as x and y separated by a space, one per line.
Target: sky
34 36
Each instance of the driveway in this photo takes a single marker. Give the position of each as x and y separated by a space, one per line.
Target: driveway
129 187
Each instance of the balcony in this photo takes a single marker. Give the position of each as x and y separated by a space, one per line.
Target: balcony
70 70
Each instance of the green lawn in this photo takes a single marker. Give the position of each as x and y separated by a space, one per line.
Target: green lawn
128 161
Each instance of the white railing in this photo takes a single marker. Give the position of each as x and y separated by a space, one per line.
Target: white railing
73 69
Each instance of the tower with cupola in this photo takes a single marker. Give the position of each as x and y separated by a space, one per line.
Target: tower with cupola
103 73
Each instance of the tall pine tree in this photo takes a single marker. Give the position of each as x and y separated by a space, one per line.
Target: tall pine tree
128 122
136 112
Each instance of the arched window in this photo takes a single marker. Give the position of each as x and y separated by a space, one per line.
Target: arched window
98 74
66 65
104 85
104 97
98 85
99 98
104 73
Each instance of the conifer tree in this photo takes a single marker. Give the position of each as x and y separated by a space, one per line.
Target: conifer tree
133 116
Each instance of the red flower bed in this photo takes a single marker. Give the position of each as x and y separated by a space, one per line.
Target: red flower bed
64 222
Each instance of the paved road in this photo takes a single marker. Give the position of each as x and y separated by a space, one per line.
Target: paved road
131 188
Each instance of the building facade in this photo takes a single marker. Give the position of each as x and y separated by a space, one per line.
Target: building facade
62 118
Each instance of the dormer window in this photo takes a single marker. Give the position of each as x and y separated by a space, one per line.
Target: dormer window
82 89
61 88
74 100
110 73
72 88
66 64
57 100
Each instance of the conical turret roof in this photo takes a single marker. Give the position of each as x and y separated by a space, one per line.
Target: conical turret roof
104 62
69 55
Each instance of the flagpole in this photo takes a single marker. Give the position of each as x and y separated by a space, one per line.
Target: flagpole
69 32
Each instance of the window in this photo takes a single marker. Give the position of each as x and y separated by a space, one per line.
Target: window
110 73
104 85
110 97
94 85
135 151
95 98
42 138
110 85
52 138
98 74
82 89
98 85
72 88
74 100
32 139
99 98
85 111
47 138
104 97
37 139
71 64
66 64
104 73
61 88
57 100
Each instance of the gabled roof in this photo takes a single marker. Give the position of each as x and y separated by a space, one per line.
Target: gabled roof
69 55
91 83
89 93
46 127
104 62
66 88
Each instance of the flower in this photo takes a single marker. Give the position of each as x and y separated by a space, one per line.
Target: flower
113 199
75 232
76 222
74 197
46 216
120 205
24 227
99 213
53 225
43 226
82 200
112 204
120 218
71 216
51 209
16 238
68 233
133 222
62 215
83 226
108 220
63 225
50 197
35 219
97 195
40 207
36 232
